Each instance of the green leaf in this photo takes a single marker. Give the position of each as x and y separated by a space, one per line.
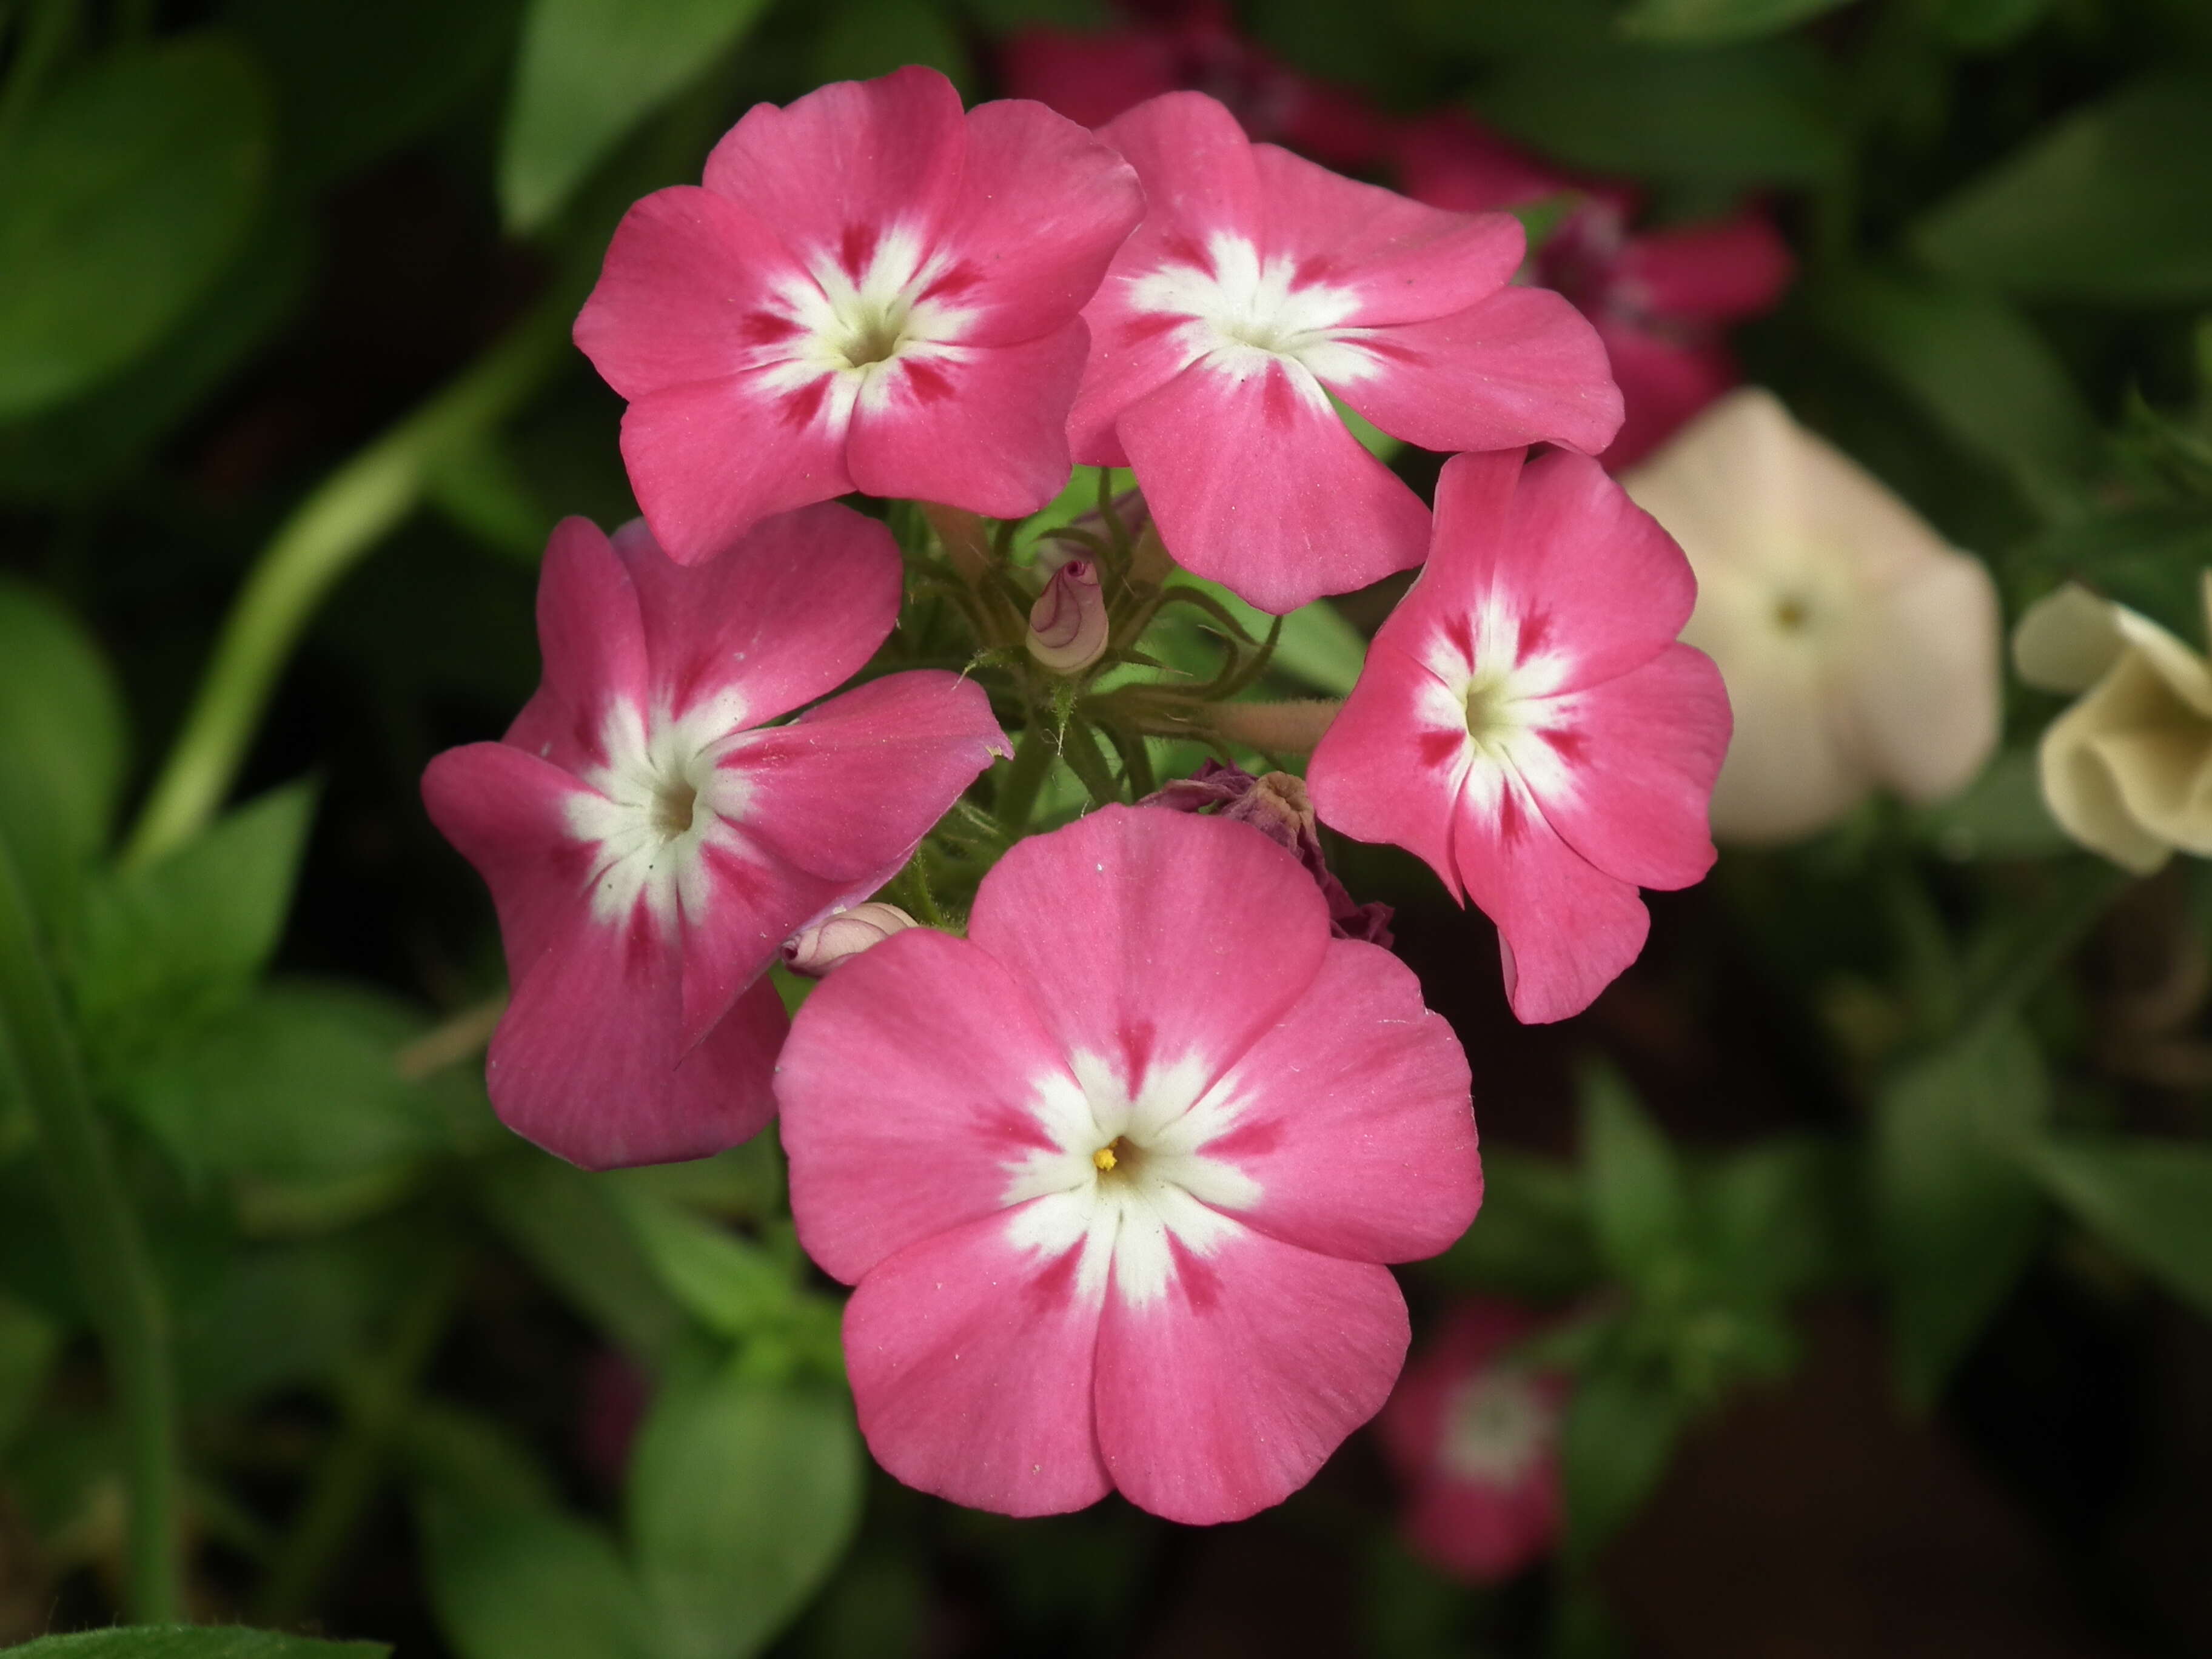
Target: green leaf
2146 558
472 1462
1958 1216
165 946
126 193
729 1283
1316 646
566 1225
63 730
864 39
1984 25
1735 115
29 1343
1978 369
530 1584
2001 815
1692 22
742 1498
1638 1208
1532 1236
1619 1432
590 72
298 1082
199 1642
1777 1219
2152 1202
283 1315
2107 205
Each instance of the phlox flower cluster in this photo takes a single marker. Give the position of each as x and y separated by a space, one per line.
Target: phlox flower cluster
1114 1131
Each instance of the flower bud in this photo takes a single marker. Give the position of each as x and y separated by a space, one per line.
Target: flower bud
1068 624
836 940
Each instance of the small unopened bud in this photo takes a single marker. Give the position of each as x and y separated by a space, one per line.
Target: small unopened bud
836 940
1068 624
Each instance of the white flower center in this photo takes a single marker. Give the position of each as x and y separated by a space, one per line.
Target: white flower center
1243 310
1126 1179
660 801
1496 706
1499 1423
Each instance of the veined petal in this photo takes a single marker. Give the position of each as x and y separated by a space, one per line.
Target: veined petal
1255 483
593 641
1389 766
1227 1393
711 459
1199 177
506 810
972 1362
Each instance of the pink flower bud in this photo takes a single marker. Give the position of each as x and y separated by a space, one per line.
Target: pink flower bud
836 940
1068 624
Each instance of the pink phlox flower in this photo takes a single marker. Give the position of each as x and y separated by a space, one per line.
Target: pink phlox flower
872 291
1192 46
650 840
1115 1176
1259 284
1661 300
1528 724
1276 805
1472 1434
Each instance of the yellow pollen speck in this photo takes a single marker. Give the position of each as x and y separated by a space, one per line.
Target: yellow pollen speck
1103 1158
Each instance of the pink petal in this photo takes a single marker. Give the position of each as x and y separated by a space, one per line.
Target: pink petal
1354 1116
982 427
791 610
1448 161
844 793
972 1363
909 1090
1227 1392
593 642
682 296
1149 936
1406 262
1377 774
1043 209
1566 929
709 461
1664 383
505 811
1521 366
1089 78
1711 273
1255 484
1643 751
848 164
1199 176
1486 1533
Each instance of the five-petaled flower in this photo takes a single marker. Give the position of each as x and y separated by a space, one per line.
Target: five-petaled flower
1473 1434
1115 1175
650 841
872 291
1258 283
1527 723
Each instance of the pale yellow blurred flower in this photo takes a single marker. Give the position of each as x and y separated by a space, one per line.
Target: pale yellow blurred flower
2128 769
1860 650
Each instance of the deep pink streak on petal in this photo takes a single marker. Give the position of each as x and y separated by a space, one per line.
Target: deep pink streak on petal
842 794
1146 934
1570 927
1406 262
972 1366
708 461
907 1089
1043 207
505 811
984 430
594 646
1521 366
840 167
1228 1392
791 610
686 293
1649 745
1383 773
1256 483
1356 1121
1716 272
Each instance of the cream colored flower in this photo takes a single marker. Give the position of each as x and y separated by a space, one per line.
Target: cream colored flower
2128 769
1859 649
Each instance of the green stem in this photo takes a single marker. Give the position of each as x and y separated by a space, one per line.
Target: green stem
1017 789
2015 964
354 1469
327 534
120 1292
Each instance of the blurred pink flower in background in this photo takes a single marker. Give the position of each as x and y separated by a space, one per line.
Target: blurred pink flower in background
873 291
650 841
1527 723
1660 299
1114 1176
1473 1436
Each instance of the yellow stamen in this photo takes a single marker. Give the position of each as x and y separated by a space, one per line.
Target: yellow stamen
1103 1160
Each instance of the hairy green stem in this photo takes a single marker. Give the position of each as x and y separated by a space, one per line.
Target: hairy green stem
106 1248
326 535
1017 789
